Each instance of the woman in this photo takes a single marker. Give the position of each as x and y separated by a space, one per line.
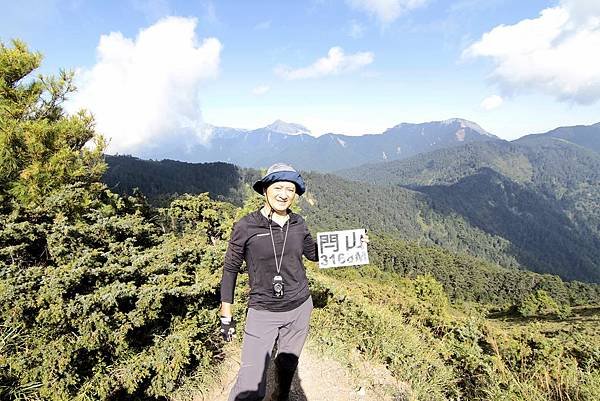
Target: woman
271 241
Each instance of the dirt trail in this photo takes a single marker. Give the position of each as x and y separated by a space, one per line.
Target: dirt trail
318 379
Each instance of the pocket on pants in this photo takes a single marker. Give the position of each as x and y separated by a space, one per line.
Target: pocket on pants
302 319
252 327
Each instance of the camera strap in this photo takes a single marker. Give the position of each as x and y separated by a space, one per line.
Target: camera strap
279 263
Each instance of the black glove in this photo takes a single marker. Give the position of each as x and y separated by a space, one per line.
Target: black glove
227 328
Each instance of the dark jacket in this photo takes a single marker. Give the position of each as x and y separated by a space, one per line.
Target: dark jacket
251 242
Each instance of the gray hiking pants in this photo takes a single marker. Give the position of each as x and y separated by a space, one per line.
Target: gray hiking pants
290 329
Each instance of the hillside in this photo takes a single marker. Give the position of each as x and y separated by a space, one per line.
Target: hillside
446 166
485 215
161 180
551 165
544 179
482 213
444 352
509 210
587 136
431 220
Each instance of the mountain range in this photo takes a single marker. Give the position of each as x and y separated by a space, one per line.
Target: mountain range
294 143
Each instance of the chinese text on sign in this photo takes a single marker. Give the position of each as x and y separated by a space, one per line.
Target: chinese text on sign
342 248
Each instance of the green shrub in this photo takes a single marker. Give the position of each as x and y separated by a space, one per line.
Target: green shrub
385 321
117 311
101 296
443 353
540 303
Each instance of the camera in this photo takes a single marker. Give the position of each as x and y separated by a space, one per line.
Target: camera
278 287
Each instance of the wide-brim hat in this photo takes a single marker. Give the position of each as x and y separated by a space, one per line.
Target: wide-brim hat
280 172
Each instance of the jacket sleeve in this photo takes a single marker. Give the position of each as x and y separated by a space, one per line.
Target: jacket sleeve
234 257
310 246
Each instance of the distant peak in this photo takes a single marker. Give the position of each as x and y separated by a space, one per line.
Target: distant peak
466 124
288 128
462 124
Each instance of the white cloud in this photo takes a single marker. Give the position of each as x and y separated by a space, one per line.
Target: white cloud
261 90
491 102
336 62
583 11
555 53
386 11
356 30
143 91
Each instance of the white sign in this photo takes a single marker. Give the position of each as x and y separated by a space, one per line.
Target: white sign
342 248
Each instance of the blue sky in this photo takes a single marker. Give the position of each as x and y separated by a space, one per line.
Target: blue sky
149 68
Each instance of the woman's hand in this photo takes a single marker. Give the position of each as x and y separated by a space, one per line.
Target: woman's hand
227 322
227 328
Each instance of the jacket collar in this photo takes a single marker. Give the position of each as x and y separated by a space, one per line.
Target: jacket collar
263 221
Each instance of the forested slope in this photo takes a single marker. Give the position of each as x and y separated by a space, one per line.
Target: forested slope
165 179
552 166
540 193
467 207
485 215
587 136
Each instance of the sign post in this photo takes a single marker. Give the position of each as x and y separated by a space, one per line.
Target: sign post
342 248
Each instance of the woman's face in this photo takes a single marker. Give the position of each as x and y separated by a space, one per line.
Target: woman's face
281 195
